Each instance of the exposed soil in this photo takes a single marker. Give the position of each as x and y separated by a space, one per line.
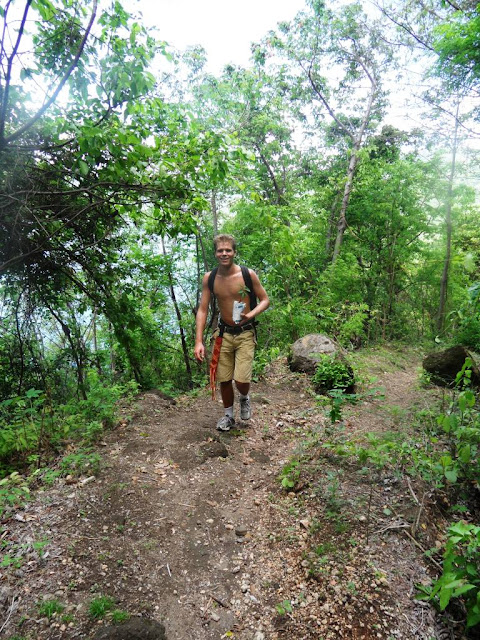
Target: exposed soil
192 528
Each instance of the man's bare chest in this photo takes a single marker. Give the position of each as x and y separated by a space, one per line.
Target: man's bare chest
229 288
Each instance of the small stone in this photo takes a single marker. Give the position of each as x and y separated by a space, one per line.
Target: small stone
241 530
215 617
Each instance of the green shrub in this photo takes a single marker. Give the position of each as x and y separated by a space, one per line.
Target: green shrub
81 462
14 492
461 572
26 422
353 322
333 373
290 474
468 332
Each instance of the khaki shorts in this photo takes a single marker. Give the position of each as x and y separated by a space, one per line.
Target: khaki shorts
236 357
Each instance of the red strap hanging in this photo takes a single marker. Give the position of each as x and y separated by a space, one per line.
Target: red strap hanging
214 364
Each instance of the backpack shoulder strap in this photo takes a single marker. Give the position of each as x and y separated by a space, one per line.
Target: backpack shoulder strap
211 279
247 278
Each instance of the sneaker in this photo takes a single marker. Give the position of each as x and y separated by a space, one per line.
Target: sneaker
225 423
245 408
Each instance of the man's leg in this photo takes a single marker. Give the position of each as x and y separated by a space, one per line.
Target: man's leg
243 388
225 376
245 406
227 421
226 391
243 371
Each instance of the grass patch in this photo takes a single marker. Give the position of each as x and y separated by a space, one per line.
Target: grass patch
48 608
99 607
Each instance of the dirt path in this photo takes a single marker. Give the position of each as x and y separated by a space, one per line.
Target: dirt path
192 528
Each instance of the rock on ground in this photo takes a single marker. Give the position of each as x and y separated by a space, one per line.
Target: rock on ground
444 365
134 629
306 352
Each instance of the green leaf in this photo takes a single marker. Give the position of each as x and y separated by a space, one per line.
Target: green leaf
83 166
469 262
33 393
445 597
463 589
451 475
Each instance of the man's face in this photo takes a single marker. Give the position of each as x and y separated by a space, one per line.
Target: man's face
225 253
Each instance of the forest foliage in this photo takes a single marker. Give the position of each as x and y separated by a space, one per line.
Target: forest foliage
121 157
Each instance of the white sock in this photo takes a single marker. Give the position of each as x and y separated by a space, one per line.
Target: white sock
229 411
242 397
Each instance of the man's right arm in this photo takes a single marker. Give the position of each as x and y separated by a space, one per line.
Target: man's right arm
201 320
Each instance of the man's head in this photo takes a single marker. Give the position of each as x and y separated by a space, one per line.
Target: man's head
224 237
225 249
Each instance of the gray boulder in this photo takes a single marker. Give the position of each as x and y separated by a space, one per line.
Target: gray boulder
134 629
444 365
306 352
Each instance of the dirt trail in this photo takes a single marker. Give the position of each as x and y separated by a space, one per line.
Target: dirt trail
191 528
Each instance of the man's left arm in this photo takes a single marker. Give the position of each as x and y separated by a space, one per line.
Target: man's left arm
262 297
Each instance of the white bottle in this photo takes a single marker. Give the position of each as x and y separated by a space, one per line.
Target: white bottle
238 307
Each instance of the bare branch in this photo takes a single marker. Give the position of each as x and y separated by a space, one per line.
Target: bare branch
5 141
8 77
405 27
453 5
327 105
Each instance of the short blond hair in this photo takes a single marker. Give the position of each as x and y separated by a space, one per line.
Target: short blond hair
225 237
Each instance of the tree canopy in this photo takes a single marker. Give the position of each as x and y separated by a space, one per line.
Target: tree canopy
121 157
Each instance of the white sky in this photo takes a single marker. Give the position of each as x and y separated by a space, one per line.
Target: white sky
225 28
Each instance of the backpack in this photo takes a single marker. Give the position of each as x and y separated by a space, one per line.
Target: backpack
246 278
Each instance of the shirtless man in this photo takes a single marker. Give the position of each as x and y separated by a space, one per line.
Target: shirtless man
238 344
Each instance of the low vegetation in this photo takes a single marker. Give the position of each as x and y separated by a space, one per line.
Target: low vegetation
435 448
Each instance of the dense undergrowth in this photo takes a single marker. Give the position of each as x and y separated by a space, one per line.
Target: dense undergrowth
436 447
41 440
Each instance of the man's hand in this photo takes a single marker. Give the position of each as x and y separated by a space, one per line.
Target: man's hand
244 318
199 352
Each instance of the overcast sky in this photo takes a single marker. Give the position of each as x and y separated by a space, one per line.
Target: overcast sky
223 27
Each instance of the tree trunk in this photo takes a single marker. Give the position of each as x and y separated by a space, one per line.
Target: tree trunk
448 227
357 143
76 348
213 201
20 345
179 319
111 334
330 226
95 341
213 305
342 217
